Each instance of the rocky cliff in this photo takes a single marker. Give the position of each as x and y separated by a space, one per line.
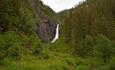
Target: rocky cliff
45 21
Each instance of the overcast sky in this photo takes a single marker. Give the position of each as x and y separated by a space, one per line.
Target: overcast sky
59 5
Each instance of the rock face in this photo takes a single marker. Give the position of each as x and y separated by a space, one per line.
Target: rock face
46 30
45 23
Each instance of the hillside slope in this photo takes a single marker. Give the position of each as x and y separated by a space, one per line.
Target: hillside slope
87 36
90 18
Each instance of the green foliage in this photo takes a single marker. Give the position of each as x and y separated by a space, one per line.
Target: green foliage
92 17
85 47
9 45
9 14
95 53
102 48
27 22
49 58
87 39
32 62
112 64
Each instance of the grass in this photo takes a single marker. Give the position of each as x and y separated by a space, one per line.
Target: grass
53 57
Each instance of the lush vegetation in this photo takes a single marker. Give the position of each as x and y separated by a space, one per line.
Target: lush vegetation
87 40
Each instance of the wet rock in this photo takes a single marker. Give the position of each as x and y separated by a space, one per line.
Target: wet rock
46 30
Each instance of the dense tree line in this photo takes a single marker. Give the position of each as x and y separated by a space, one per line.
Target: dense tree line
92 17
90 29
87 36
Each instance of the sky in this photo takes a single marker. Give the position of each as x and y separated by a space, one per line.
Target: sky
59 5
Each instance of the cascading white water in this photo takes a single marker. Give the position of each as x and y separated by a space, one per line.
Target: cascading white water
56 34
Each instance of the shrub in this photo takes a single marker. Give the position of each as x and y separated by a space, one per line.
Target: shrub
9 44
85 46
102 48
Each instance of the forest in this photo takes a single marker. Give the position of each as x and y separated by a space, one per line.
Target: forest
87 36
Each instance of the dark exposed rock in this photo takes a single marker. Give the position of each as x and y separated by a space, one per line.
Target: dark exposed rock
46 30
45 24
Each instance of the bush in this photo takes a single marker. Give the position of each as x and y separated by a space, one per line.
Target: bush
85 47
9 44
102 48
27 21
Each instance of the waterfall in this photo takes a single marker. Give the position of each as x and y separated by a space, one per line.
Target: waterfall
56 34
